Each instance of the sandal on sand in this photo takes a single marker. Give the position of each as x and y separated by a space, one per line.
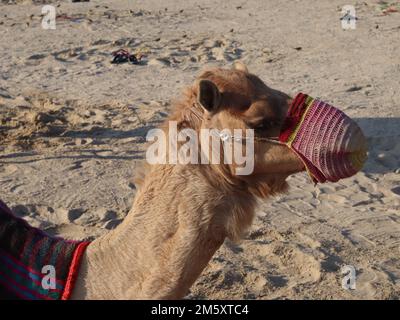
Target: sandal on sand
122 56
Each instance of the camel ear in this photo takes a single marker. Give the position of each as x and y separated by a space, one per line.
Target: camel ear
209 96
239 65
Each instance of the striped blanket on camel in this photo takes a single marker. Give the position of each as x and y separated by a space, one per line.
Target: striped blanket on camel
33 264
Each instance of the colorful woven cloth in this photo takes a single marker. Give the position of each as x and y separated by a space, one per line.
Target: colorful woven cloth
331 145
25 256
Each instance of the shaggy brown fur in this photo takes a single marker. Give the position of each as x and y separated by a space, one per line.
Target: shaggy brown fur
246 102
182 213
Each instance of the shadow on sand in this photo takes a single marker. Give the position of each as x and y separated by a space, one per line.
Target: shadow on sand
383 135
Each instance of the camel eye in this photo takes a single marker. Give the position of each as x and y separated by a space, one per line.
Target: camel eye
262 126
267 124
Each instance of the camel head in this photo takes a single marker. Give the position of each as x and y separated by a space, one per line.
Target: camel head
237 99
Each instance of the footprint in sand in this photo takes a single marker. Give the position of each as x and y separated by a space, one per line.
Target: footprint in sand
36 59
295 262
369 283
68 55
9 169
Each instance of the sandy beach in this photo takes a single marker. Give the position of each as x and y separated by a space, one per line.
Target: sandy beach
73 128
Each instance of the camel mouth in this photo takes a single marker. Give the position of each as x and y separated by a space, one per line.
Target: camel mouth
330 144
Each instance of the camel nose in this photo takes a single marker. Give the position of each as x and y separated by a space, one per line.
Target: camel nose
331 145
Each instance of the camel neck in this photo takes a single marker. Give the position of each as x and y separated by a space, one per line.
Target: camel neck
177 222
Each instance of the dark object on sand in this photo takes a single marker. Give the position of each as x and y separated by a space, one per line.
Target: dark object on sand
122 56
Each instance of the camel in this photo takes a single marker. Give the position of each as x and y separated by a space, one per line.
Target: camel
182 214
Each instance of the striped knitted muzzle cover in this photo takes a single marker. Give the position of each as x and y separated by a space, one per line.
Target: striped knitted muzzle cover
330 144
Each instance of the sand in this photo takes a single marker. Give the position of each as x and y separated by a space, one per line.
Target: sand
73 125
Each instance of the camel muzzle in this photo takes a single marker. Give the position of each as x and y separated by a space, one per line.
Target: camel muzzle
330 144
